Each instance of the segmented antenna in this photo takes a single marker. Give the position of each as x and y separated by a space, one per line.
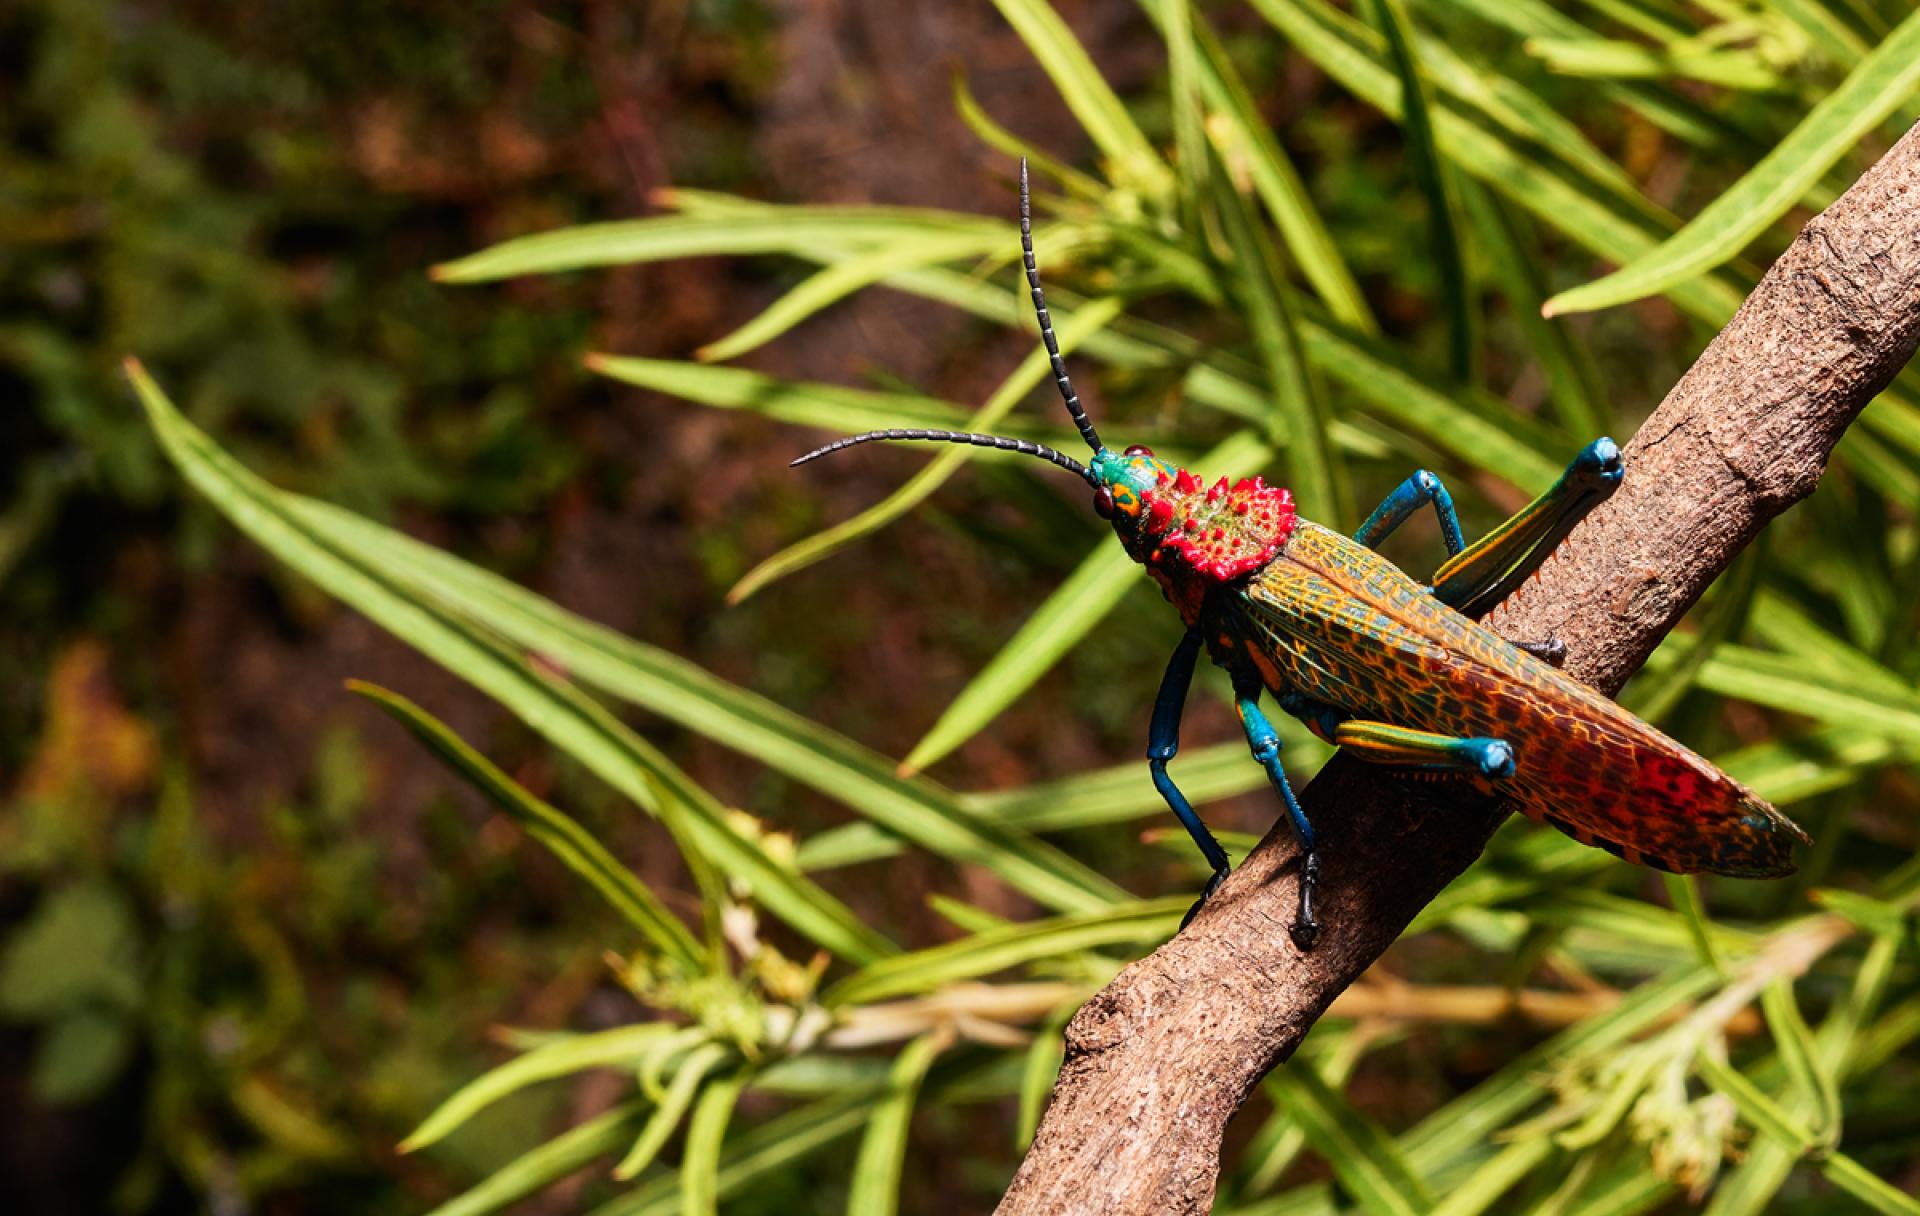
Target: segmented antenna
1067 394
1001 442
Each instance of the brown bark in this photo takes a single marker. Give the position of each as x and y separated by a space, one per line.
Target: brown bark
1159 1061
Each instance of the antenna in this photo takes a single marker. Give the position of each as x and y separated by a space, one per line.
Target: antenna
1067 394
1024 447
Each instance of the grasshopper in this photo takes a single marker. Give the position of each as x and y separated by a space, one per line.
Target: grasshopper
1397 672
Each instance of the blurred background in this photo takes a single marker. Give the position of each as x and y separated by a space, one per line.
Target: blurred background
251 934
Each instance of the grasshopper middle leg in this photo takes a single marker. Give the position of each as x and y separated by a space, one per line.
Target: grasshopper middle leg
1265 742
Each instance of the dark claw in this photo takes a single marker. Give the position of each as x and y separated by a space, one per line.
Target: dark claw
1213 884
1306 929
1552 652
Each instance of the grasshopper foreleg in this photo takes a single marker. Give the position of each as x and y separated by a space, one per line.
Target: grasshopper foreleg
1265 742
1163 741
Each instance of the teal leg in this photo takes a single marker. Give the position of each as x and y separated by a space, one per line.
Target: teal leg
1412 494
1479 577
1265 743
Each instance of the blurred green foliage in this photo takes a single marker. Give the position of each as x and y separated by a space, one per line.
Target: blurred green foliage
1257 271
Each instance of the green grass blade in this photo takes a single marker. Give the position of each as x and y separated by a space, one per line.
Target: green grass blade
1855 1179
1883 81
1039 1072
1616 59
665 1119
1365 1159
916 809
1297 413
1248 140
1132 164
1578 397
949 460
662 238
1183 88
1430 172
1139 922
883 1150
1586 210
1491 1181
706 1133
995 136
1818 1089
814 404
534 1170
1066 616
1490 437
1098 798
761 1152
558 832
613 1048
360 572
842 279
1785 682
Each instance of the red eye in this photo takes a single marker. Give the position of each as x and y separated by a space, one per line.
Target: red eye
1103 503
1139 449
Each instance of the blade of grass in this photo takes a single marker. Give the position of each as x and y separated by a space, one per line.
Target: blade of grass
997 950
1365 1159
915 809
1066 616
1183 88
558 832
824 544
883 1150
842 279
1132 164
660 238
1297 411
1578 398
811 403
995 136
571 722
1882 81
1616 59
1278 184
665 1119
574 1053
1430 172
706 1132
558 1157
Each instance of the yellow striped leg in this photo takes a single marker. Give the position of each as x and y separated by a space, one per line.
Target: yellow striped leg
1399 747
1482 574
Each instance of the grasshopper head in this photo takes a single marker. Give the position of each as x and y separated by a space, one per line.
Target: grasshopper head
1181 529
1174 522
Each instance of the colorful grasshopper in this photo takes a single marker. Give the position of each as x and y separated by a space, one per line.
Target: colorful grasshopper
1395 672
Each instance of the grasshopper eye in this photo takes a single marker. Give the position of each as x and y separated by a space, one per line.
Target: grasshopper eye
1139 449
1103 503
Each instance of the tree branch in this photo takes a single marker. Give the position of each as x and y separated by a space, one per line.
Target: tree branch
1159 1061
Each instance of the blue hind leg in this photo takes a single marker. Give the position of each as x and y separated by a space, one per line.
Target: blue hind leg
1474 580
1163 741
1265 743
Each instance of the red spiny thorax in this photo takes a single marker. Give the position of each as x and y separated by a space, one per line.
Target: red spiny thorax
1219 532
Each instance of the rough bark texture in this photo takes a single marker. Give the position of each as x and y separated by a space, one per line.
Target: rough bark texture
1158 1062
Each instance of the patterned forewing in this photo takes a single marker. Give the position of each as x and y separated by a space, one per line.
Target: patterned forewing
1335 621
